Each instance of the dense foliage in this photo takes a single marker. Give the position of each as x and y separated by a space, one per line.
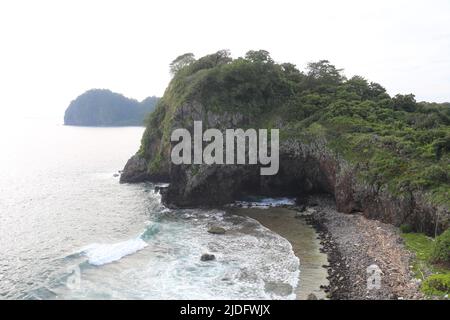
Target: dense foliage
106 108
441 249
397 142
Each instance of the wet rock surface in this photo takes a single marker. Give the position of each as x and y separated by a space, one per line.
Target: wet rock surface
207 257
217 230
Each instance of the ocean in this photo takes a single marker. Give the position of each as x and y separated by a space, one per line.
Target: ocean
70 230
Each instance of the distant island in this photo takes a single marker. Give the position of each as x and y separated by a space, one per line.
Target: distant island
102 108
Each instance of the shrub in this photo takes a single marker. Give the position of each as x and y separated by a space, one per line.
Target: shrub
441 249
436 174
437 285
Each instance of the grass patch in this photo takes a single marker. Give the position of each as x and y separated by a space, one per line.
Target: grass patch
420 244
435 278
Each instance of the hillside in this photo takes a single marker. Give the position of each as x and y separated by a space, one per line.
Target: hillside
99 107
385 157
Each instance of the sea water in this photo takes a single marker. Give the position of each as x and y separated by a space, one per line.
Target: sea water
70 230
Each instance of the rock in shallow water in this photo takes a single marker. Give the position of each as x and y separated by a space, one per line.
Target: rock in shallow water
217 230
278 288
208 257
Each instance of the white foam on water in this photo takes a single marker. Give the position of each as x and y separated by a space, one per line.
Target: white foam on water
265 203
252 262
246 265
102 253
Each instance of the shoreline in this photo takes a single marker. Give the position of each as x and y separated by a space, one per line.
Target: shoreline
353 243
305 244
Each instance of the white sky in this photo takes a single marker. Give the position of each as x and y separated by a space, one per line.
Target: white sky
52 51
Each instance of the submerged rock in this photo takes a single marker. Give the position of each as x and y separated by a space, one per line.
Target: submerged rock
217 230
278 288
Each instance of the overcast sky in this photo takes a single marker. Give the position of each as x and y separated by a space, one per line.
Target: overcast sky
52 51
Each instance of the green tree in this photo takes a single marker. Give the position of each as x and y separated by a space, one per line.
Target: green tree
258 56
180 62
323 76
405 102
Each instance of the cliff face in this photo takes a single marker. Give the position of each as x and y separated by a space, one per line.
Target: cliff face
106 108
305 168
312 160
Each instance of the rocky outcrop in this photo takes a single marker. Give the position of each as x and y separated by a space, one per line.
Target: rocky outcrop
304 169
135 170
312 149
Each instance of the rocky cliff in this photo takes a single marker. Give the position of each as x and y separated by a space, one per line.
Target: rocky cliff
336 137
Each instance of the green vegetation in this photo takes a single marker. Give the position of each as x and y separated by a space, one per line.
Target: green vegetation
441 249
437 285
397 143
106 108
428 264
422 246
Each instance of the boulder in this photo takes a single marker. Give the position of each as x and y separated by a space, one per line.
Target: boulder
207 257
135 170
217 230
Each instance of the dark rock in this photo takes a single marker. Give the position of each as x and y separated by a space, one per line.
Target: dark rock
217 185
217 230
207 257
160 189
135 170
312 296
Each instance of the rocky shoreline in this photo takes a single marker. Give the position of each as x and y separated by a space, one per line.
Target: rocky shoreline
353 243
